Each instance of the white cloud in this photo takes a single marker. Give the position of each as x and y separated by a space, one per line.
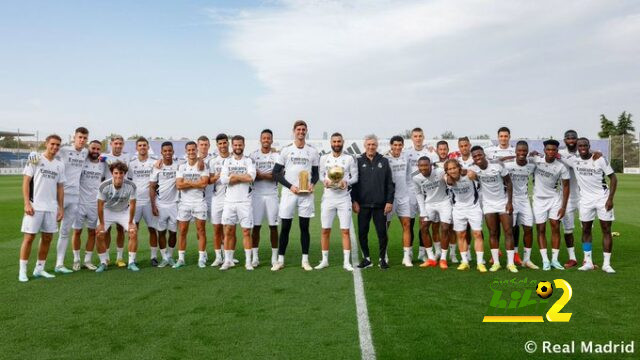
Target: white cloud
468 66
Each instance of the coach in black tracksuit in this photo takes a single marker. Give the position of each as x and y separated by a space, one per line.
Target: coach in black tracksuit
372 197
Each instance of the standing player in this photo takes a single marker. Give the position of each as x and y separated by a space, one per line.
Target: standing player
163 196
463 155
43 193
568 221
496 190
265 196
293 160
595 198
73 157
442 150
116 154
238 173
191 181
435 206
466 211
140 169
117 205
521 170
336 199
90 180
401 202
412 154
205 156
548 203
217 201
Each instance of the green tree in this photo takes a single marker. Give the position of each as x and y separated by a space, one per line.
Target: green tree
625 124
134 137
607 127
482 137
624 145
448 135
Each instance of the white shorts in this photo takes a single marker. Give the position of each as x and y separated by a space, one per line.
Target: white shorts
265 206
491 207
70 214
568 221
522 213
289 202
167 217
116 217
87 215
589 209
414 209
439 212
145 211
217 205
329 208
401 207
238 213
188 212
544 209
466 214
40 221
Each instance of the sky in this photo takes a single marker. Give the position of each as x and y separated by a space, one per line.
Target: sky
187 68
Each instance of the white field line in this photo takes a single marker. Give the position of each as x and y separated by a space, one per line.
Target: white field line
364 327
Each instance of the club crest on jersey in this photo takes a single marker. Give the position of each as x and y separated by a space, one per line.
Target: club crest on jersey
380 165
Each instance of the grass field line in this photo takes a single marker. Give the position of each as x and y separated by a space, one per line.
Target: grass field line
364 327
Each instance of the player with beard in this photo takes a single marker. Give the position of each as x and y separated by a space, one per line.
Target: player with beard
163 196
463 155
205 156
217 201
265 196
442 149
336 199
401 203
568 221
90 180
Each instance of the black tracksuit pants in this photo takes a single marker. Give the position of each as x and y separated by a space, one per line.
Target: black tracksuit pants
380 223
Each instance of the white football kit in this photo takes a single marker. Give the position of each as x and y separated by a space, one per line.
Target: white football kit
335 200
217 199
522 213
191 204
43 195
90 180
265 200
116 202
401 178
295 160
412 155
466 207
492 189
237 202
594 192
166 196
140 173
432 197
547 200
568 221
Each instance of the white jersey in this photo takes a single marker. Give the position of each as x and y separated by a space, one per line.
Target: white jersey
215 168
465 163
463 193
412 156
73 161
296 160
117 200
90 180
432 189
348 164
546 178
400 174
264 164
520 177
165 179
574 194
238 192
140 173
45 177
591 177
208 191
496 152
110 159
191 173
491 184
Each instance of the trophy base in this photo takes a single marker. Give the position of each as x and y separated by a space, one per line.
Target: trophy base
303 191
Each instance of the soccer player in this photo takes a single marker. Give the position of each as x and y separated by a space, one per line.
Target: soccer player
205 156
117 205
401 202
191 180
265 196
43 192
435 206
412 154
548 204
238 173
521 169
163 196
463 155
73 157
442 149
466 211
217 201
90 180
140 169
336 199
595 198
293 160
496 190
568 221
116 154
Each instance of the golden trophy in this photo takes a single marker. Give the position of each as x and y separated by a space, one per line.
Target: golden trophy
335 174
303 182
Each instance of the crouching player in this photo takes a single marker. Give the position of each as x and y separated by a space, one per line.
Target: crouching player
117 205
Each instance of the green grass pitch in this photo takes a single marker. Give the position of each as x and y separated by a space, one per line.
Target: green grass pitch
205 313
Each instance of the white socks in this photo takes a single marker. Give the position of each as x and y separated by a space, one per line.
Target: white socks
119 253
346 255
103 258
587 257
23 267
444 255
430 254
181 255
281 259
479 257
39 266
170 251
437 247
154 252
254 254
61 249
76 256
607 259
495 255
228 256
465 256
274 255
218 253
554 254
305 258
247 255
545 256
527 255
510 254
87 256
572 253
132 257
325 256
163 253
